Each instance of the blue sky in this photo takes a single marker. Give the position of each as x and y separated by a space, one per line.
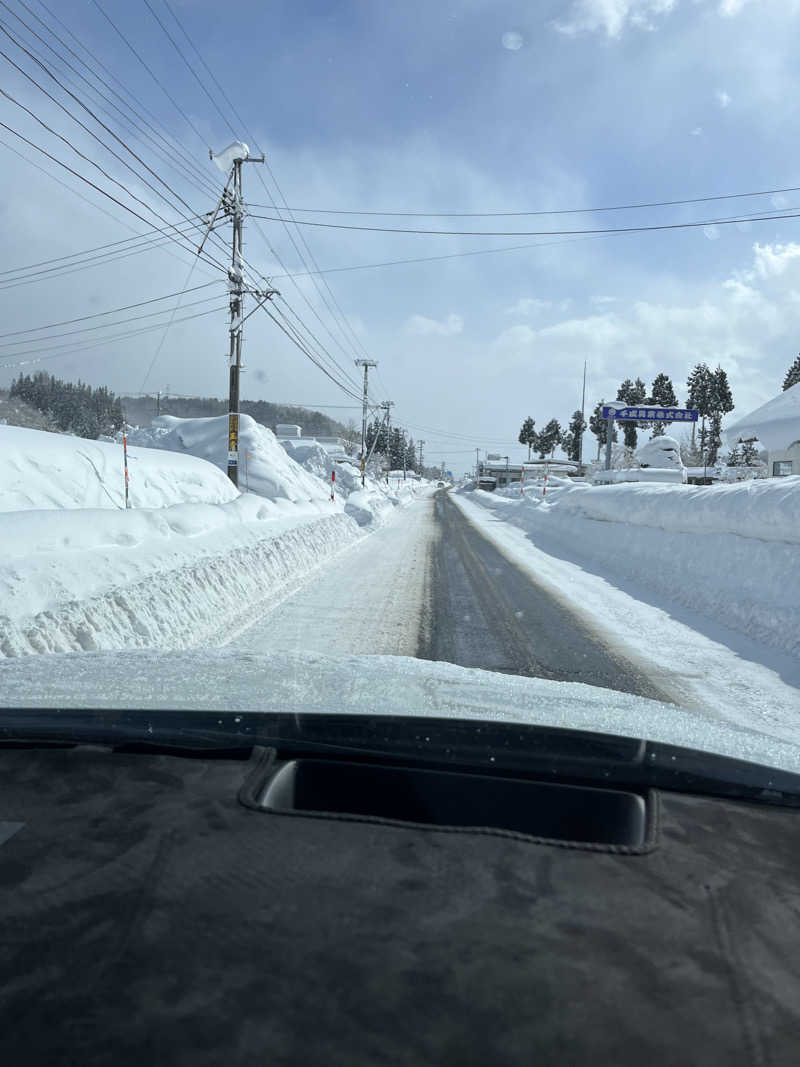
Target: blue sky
469 106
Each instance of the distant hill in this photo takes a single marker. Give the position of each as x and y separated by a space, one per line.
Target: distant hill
141 410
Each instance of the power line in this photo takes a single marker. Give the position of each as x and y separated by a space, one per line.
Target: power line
113 311
170 141
76 346
542 233
292 335
91 133
164 90
86 159
101 326
87 251
171 160
342 322
528 214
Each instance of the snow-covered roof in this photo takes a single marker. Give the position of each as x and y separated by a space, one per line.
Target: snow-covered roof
776 424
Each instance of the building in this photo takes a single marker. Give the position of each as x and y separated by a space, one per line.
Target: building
776 425
334 446
498 473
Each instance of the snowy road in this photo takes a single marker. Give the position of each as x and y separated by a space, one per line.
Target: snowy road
431 585
371 599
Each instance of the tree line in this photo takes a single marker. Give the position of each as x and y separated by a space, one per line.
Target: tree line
74 407
707 390
395 446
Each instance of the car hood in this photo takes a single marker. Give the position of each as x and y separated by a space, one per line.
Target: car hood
307 683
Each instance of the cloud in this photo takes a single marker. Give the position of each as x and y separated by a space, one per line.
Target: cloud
770 261
723 98
598 301
422 326
697 131
612 16
730 8
528 306
746 322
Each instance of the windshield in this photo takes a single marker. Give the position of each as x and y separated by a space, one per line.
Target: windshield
416 360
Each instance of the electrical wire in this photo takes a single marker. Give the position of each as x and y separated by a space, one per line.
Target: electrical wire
342 322
543 233
113 311
170 160
102 325
87 251
120 203
170 141
528 214
164 90
91 133
76 346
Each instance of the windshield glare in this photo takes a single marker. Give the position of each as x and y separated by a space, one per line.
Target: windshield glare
462 385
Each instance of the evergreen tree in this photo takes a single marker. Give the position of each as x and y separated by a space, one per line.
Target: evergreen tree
631 393
735 456
699 387
572 439
549 438
750 457
721 402
662 394
598 425
397 448
528 435
411 455
792 374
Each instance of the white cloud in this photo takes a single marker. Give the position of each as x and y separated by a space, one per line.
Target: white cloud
729 8
528 306
746 322
770 261
420 325
697 131
598 301
723 98
612 16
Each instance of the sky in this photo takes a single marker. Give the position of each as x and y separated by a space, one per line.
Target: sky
469 107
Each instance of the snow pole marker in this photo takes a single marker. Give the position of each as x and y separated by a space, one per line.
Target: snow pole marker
522 482
333 484
125 463
544 487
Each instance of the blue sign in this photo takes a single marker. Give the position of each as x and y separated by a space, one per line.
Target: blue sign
650 414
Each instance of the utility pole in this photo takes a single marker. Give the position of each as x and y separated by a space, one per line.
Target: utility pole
421 468
158 402
477 464
232 205
388 405
366 364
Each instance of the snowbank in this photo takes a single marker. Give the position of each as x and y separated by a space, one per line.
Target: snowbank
265 468
661 475
731 552
50 470
174 577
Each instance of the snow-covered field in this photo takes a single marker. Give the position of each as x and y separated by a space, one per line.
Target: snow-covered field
41 470
729 552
